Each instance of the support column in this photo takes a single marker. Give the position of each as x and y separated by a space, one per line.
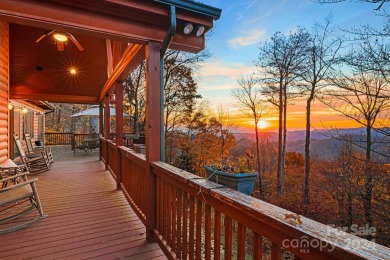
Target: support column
107 117
100 128
153 127
119 113
107 127
119 129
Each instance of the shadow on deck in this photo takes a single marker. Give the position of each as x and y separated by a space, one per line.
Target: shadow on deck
88 217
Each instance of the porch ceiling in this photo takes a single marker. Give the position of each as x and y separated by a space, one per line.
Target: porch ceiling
39 71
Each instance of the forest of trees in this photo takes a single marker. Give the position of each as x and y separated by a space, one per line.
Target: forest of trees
348 74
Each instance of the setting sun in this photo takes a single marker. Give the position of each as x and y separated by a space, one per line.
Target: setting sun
262 124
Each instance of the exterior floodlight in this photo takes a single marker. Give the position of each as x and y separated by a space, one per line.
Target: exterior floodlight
10 106
24 110
188 27
199 30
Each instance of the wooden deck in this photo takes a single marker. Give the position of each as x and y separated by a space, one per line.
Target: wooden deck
88 218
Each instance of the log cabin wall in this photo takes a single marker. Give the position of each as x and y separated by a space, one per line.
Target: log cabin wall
4 88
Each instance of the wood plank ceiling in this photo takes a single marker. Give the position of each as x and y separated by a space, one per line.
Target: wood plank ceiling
38 71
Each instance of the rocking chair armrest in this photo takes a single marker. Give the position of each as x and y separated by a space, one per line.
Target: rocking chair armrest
14 176
29 182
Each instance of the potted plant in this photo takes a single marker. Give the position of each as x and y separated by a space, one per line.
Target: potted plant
239 180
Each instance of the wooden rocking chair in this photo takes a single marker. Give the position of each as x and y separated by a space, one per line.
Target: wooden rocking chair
32 149
18 197
37 161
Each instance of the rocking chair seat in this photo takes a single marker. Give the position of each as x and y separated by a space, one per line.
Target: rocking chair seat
18 197
17 193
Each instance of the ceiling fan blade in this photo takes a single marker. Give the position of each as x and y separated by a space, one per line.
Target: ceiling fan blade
46 33
60 46
73 39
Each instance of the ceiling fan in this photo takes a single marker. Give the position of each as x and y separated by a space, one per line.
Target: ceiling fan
61 38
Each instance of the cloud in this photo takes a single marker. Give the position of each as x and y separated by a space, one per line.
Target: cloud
250 37
225 69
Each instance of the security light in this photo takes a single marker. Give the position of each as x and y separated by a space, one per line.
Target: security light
199 30
188 28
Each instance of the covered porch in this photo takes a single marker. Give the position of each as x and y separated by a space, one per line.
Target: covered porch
188 217
88 217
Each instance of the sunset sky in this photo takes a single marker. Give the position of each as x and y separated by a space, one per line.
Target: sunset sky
236 37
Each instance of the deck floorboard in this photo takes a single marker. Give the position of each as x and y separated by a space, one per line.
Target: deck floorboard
88 218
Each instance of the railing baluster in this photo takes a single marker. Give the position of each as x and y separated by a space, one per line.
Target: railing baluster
257 246
165 221
199 205
169 215
173 218
217 234
179 222
228 238
276 252
185 224
158 203
208 232
240 242
192 228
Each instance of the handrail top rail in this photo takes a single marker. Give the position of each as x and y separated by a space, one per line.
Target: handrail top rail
337 243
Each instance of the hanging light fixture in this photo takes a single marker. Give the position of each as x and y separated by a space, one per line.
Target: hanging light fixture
60 36
10 106
188 28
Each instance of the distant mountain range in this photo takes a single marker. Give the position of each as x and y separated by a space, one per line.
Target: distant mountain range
323 146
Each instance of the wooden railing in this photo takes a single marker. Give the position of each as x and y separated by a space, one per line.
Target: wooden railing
58 138
193 218
61 138
66 138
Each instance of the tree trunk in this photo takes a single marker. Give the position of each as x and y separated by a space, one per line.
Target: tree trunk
136 117
368 180
284 139
306 198
58 124
258 161
280 141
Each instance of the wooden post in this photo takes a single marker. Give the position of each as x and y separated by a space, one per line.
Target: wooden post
107 127
119 129
119 113
152 55
100 128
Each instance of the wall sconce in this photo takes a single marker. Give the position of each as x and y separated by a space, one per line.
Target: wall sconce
188 27
24 110
10 106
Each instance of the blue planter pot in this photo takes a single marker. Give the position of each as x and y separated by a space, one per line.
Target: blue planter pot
242 182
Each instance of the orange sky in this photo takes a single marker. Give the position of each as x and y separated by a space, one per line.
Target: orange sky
322 117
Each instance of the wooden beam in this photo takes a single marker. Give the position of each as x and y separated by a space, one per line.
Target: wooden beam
96 23
153 127
55 98
130 58
110 66
116 53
